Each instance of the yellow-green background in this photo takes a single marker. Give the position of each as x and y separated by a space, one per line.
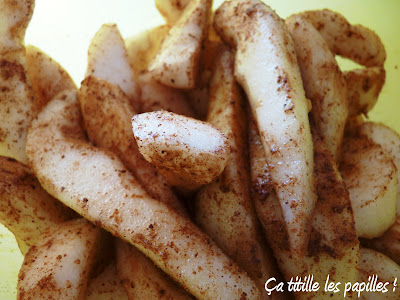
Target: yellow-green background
63 28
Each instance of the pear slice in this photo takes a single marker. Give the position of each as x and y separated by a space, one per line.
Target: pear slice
26 209
323 81
188 152
388 243
106 285
267 69
108 60
17 107
177 62
370 176
223 208
389 140
333 248
142 279
107 118
363 88
171 10
143 47
47 76
355 42
59 265
386 272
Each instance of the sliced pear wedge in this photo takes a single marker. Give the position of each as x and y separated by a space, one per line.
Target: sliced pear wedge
107 119
323 82
17 107
333 248
26 209
267 69
108 60
59 265
389 140
47 76
386 272
224 209
177 62
188 152
142 279
370 175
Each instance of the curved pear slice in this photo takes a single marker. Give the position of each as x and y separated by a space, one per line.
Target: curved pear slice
266 67
106 285
224 209
17 107
156 96
25 208
143 47
333 248
370 176
107 119
177 62
388 243
385 271
355 42
323 82
389 140
198 97
363 88
188 152
108 60
142 279
47 76
59 265
171 10
96 184
15 17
